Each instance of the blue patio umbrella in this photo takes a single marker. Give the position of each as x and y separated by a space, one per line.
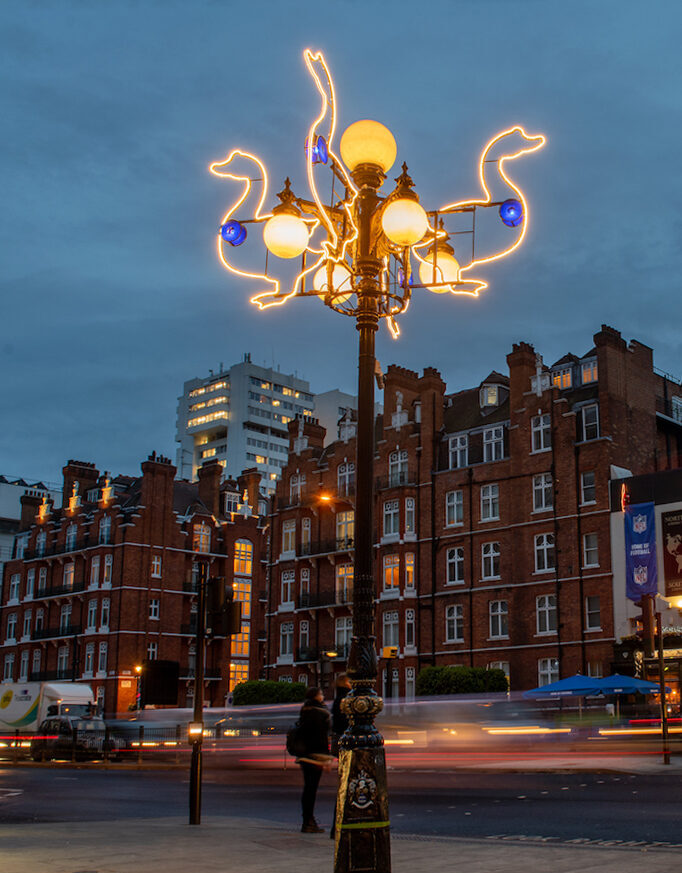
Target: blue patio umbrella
618 684
572 686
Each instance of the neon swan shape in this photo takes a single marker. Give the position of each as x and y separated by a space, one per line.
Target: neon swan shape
254 171
529 143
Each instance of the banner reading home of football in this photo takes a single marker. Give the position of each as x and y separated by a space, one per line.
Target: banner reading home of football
641 576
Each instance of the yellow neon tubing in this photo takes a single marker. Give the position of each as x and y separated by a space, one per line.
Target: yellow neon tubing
218 168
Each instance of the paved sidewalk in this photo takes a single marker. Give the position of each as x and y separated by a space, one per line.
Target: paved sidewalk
255 846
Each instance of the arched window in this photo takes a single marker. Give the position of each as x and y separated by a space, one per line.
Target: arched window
243 558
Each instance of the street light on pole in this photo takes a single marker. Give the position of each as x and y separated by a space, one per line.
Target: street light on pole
363 254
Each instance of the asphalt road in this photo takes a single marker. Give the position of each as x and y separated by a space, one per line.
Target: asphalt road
574 806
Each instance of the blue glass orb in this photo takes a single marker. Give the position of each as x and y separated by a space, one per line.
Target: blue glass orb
401 279
320 154
233 232
511 213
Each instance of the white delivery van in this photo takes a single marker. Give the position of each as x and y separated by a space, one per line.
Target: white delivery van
24 705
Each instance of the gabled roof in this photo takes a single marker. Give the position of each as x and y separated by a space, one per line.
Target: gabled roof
567 359
495 378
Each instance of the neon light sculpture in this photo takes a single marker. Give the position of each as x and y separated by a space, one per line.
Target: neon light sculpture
337 221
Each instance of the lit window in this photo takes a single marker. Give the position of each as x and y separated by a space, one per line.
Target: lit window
590 550
455 566
562 378
498 615
391 572
459 451
108 566
454 508
589 371
94 572
89 659
541 433
490 560
543 497
289 537
242 593
345 529
493 444
490 502
344 583
409 515
243 558
156 566
454 624
545 613
544 552
240 642
490 395
238 673
67 576
201 537
409 570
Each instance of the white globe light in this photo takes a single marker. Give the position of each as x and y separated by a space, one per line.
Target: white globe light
285 235
447 270
368 142
341 281
404 222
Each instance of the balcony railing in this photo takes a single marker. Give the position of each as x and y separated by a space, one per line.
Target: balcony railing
324 598
50 675
396 480
54 590
667 408
325 547
66 630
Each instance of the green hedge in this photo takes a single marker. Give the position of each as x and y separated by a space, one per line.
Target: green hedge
460 680
257 691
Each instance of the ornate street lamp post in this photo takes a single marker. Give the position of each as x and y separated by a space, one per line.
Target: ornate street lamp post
357 252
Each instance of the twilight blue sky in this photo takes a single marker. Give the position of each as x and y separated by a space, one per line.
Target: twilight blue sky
111 292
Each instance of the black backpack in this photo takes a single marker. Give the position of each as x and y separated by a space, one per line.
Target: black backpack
295 741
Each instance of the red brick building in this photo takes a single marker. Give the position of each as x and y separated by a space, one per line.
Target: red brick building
110 579
491 519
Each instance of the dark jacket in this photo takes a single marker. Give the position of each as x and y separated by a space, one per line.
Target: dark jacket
315 722
339 719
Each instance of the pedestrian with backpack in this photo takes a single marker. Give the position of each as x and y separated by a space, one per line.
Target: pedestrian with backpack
313 735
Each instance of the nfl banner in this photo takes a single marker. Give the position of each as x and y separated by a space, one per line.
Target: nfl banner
641 575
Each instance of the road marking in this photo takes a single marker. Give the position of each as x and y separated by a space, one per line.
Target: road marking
10 792
587 841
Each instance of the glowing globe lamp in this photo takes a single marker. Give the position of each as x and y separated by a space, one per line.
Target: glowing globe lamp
341 282
233 232
285 235
368 142
404 222
511 213
320 154
447 270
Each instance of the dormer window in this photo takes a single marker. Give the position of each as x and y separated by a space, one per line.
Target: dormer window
231 502
563 378
490 395
589 371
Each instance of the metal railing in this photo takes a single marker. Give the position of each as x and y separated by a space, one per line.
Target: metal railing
67 630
